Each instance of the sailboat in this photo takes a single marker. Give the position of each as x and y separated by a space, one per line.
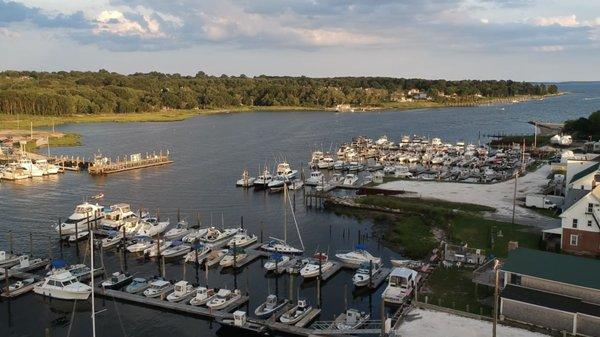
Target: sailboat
279 245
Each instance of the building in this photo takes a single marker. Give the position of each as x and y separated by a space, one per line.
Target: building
555 291
580 223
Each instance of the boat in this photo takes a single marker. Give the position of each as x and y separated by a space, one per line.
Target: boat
28 264
365 272
214 235
350 320
242 239
113 239
276 261
246 180
233 257
131 226
271 305
320 263
63 286
400 285
152 226
277 183
8 259
158 288
326 163
82 214
199 251
177 249
21 284
203 295
281 246
157 248
117 280
215 257
79 236
223 299
295 314
315 178
178 232
137 285
284 170
30 167
14 171
194 234
357 257
350 180
80 270
295 184
263 180
296 264
45 167
115 218
183 291
139 244
339 165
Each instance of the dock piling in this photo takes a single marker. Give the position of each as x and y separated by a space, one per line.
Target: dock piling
10 242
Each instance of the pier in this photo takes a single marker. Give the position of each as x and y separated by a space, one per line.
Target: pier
104 165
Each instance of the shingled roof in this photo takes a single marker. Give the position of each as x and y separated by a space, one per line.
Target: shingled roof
585 172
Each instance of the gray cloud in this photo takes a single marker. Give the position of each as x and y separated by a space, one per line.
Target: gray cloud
11 12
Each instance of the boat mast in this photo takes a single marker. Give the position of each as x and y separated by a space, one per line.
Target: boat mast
284 213
92 281
295 222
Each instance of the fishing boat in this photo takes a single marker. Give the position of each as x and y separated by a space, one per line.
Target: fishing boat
157 247
350 180
79 236
242 239
315 178
194 235
215 235
246 180
139 244
233 257
276 185
183 291
199 251
82 214
63 286
295 314
152 226
350 320
113 239
281 246
277 260
45 167
117 280
177 249
158 288
8 259
271 305
215 257
202 296
357 257
223 299
137 285
319 263
115 218
365 273
30 167
177 232
284 170
400 285
20 284
263 180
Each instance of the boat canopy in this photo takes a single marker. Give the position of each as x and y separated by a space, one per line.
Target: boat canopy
361 246
58 264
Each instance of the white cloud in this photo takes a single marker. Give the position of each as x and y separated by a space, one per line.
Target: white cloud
485 21
115 22
5 32
565 21
549 49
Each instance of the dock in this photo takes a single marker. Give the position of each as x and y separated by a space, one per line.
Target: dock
103 165
21 291
379 278
336 267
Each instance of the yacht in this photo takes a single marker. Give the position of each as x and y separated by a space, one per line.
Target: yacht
295 314
350 320
152 227
233 257
246 180
271 305
357 257
215 235
194 234
137 285
316 177
45 167
178 231
157 247
30 167
139 244
400 285
113 239
284 170
115 218
215 257
117 281
63 286
158 288
282 246
13 171
263 180
242 239
224 298
365 272
350 180
183 291
83 214
177 249
339 165
315 158
276 260
320 263
276 185
326 163
202 296
198 251
81 235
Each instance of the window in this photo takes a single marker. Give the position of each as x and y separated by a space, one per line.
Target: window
590 208
589 223
574 223
574 239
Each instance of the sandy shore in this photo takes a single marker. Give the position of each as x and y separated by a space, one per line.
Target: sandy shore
499 196
420 323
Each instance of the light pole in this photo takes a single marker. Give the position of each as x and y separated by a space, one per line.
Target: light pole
496 272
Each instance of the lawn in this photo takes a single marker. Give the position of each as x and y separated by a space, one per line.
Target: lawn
412 235
420 205
68 139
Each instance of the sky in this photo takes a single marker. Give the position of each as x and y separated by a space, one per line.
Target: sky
525 40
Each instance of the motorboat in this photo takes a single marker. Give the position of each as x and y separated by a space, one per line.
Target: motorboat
295 184
199 251
280 246
28 264
183 291
215 235
177 249
339 165
194 235
20 284
8 259
270 306
350 320
223 299
79 270
14 171
336 179
400 285
365 273
78 221
284 170
315 158
296 265
45 167
131 226
63 286
215 257
79 236
276 261
113 239
242 239
137 285
277 183
157 248
357 257
158 288
233 257
320 263
152 227
295 314
139 244
350 180
202 296
116 217
30 167
117 280
246 180
315 178
178 232
263 180
326 163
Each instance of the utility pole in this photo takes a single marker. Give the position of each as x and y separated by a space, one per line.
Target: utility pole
496 271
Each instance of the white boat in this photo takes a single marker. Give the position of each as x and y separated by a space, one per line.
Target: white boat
315 178
198 250
194 234
215 257
284 170
113 239
80 236
115 218
214 235
263 180
117 280
79 219
63 286
139 244
281 246
271 305
326 163
178 232
30 167
14 171
8 259
224 298
357 257
350 320
20 284
152 227
45 167
156 247
202 296
158 288
350 180
400 285
365 273
131 225
295 314
277 183
242 239
276 260
233 257
28 264
246 180
320 263
295 184
183 291
177 249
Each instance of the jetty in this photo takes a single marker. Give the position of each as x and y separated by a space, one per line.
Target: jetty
104 165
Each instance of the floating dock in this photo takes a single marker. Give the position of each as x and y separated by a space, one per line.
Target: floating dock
332 271
103 165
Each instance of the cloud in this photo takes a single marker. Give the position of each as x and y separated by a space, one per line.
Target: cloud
12 12
548 49
565 21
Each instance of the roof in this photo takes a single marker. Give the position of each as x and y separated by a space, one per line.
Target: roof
568 269
549 300
573 196
557 230
402 272
585 172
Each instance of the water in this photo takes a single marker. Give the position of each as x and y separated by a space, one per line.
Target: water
210 152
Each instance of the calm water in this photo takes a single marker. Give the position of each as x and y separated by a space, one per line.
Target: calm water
210 152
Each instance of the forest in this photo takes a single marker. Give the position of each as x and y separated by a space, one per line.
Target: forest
75 92
584 128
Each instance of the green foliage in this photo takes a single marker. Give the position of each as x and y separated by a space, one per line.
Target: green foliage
584 128
413 236
68 93
420 205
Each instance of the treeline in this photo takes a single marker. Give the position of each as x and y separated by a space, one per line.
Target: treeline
584 128
63 93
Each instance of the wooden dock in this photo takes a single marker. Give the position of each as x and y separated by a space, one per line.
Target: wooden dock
332 271
21 291
102 166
